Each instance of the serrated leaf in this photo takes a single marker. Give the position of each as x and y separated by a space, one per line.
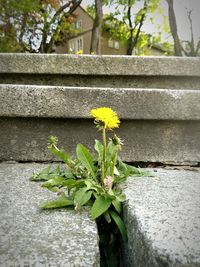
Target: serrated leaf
120 225
57 181
47 174
82 196
86 159
100 205
58 203
118 206
71 183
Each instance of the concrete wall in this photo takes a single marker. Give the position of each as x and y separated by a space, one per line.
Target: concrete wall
157 99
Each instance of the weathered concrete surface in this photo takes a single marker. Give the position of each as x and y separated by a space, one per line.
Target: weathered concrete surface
76 102
31 237
162 215
98 65
157 100
25 139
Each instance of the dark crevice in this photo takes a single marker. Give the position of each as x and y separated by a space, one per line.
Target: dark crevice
110 244
138 164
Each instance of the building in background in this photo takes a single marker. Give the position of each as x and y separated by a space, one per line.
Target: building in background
81 42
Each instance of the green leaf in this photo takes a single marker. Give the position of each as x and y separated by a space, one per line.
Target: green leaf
100 205
99 148
71 183
82 196
86 159
111 151
120 197
107 217
120 225
46 174
60 153
57 181
58 203
118 206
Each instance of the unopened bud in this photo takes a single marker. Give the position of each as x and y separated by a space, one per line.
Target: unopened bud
108 182
117 142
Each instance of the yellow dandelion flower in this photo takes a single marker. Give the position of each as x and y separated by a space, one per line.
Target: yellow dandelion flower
107 116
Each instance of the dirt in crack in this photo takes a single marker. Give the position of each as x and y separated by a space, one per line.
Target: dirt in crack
110 244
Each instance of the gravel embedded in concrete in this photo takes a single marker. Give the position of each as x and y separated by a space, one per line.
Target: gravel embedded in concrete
31 237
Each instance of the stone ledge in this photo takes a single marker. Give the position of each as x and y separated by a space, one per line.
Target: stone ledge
30 237
99 65
76 102
25 139
162 214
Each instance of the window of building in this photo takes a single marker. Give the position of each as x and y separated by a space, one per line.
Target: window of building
110 43
76 44
116 44
113 44
78 24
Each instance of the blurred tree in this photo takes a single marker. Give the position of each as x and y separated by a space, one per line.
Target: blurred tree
182 48
130 28
189 48
35 25
97 27
173 27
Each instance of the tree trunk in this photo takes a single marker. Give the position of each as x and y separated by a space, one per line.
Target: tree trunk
173 28
47 47
132 41
96 31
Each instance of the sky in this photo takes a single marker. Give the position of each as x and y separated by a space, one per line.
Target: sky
180 7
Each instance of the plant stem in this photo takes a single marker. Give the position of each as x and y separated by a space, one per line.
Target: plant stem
104 154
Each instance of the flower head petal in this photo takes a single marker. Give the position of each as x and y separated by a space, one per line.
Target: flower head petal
107 116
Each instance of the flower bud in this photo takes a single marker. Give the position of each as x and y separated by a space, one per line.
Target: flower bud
108 182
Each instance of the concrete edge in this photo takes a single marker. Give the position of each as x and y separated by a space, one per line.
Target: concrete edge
130 103
98 65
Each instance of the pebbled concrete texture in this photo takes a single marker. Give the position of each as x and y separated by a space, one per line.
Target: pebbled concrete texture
76 102
98 65
162 215
31 237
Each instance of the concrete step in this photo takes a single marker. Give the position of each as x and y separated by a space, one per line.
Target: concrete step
157 99
162 215
100 71
76 102
29 114
31 237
